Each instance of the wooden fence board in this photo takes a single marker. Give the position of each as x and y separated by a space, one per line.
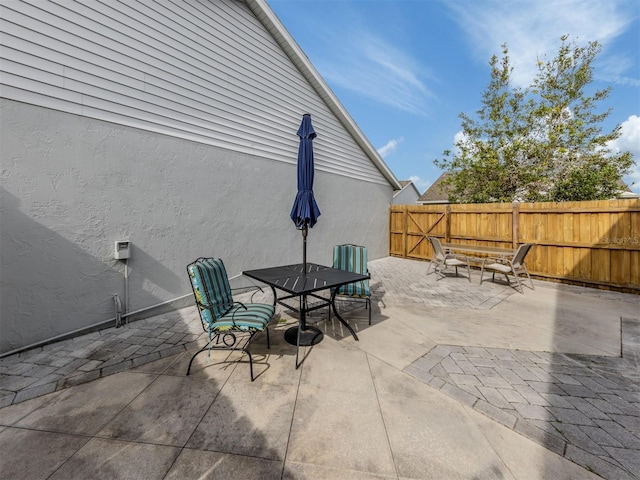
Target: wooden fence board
634 268
595 243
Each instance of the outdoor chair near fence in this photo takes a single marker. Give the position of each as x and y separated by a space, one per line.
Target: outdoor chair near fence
514 266
353 258
230 325
442 260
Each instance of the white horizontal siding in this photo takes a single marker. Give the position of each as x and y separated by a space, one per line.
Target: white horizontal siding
203 70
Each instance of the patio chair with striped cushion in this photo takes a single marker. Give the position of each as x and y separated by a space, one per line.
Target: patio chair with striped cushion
353 258
231 325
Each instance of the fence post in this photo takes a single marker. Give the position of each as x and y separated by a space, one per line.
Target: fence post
447 223
405 228
515 225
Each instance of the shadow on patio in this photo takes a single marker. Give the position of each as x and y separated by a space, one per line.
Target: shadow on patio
446 383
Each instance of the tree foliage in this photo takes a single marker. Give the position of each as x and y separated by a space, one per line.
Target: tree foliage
541 143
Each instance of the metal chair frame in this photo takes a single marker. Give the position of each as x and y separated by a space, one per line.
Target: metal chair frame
442 260
231 325
348 263
514 266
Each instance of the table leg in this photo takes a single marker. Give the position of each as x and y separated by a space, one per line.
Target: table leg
335 310
303 334
275 295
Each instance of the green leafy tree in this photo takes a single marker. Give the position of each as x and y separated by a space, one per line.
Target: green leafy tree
541 143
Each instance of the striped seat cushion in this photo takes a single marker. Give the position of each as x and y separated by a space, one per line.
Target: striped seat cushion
215 301
254 319
356 289
352 258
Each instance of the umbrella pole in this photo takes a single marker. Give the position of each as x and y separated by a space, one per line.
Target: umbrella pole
305 231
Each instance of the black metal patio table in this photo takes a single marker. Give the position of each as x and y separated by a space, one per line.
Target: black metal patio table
302 283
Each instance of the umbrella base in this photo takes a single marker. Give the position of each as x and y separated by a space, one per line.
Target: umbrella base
310 336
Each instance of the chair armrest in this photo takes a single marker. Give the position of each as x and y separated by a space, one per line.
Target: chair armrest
500 260
234 308
257 288
253 285
456 256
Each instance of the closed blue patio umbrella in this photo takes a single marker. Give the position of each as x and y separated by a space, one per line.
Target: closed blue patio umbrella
305 211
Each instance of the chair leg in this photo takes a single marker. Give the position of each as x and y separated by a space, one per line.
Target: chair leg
368 304
529 277
438 270
245 349
268 341
298 344
519 286
250 364
195 355
469 270
437 267
520 282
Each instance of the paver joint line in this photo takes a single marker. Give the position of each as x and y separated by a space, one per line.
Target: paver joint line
585 408
559 412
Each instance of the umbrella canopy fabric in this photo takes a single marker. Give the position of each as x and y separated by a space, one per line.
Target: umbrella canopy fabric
305 211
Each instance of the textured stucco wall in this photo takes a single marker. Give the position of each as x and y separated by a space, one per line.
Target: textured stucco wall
71 186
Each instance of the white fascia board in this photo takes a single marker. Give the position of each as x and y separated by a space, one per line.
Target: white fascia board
398 192
272 23
410 184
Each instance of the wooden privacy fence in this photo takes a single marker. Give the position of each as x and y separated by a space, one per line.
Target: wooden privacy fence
596 243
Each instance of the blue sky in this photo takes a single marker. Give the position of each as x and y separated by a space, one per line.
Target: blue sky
405 69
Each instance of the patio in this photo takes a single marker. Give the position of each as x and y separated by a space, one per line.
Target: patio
453 380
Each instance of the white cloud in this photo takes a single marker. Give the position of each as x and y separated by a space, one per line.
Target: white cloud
633 180
459 137
390 147
613 69
421 184
532 28
629 141
367 64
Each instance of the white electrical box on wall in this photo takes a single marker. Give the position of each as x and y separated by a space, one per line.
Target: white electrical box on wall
122 250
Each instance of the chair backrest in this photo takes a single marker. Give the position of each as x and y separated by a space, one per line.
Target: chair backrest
437 248
352 258
211 288
518 258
